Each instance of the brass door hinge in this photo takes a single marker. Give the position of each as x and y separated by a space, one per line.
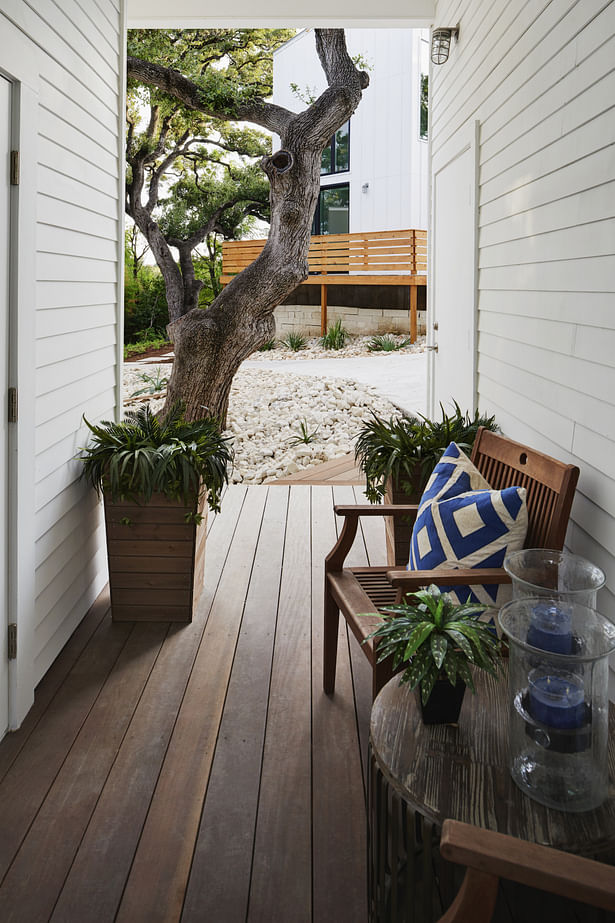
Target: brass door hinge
14 168
12 405
13 641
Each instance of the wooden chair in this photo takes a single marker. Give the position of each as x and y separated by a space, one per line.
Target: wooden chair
550 486
490 856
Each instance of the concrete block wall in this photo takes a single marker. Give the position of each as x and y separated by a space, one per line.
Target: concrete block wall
359 321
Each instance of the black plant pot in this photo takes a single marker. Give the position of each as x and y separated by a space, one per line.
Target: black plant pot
444 703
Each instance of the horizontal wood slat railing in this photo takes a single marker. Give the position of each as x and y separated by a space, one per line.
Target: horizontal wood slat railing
364 258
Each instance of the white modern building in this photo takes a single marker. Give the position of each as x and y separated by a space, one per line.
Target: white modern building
374 174
522 270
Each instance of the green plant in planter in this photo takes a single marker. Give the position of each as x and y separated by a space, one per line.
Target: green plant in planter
144 455
437 638
407 448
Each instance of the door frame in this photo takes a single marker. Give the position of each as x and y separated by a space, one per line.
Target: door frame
20 65
467 138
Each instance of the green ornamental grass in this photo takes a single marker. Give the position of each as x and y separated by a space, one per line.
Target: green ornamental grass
407 448
144 454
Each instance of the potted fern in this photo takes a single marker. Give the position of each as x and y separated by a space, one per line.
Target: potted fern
437 642
398 455
157 477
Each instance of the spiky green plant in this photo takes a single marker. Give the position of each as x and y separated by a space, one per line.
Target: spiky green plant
267 346
304 435
407 448
144 455
335 337
387 343
153 383
436 637
295 341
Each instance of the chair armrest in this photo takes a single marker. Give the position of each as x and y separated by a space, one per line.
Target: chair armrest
334 562
377 509
409 580
542 867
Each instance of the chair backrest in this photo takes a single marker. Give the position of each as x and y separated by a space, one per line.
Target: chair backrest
550 484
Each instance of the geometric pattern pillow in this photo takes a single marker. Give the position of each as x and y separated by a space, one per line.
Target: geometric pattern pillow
477 528
454 474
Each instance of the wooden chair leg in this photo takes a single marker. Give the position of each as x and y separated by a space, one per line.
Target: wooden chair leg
475 901
381 674
331 627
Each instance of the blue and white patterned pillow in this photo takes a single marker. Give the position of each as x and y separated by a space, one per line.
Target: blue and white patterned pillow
477 528
454 474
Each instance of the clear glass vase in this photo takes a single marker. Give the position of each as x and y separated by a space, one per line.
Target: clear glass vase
558 693
541 572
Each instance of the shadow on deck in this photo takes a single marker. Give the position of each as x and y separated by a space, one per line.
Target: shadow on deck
198 772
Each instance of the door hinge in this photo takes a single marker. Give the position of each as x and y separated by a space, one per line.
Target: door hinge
14 168
13 641
12 405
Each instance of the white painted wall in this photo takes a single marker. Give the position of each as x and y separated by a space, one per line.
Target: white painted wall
539 78
66 61
385 149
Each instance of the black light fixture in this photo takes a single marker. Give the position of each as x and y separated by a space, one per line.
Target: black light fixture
441 43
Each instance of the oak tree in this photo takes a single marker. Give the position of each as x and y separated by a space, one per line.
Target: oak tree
211 344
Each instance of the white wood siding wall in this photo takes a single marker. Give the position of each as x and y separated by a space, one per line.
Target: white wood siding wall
77 293
540 78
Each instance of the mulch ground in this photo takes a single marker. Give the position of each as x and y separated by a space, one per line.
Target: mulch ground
152 353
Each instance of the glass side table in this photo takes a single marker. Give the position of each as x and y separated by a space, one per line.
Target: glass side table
420 775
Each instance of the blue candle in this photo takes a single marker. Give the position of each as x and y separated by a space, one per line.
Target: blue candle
551 628
557 699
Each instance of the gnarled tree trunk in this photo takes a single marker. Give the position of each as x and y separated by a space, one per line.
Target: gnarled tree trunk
211 345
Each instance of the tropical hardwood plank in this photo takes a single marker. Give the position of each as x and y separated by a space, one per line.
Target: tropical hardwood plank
42 756
340 470
281 877
53 679
93 888
58 828
155 888
338 795
224 844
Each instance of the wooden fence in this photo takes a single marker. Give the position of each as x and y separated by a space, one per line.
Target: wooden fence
365 258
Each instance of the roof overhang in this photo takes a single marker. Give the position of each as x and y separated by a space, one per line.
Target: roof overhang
162 14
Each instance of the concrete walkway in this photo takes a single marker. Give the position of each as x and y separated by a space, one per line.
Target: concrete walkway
401 379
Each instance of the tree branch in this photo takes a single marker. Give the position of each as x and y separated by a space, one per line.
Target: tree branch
170 81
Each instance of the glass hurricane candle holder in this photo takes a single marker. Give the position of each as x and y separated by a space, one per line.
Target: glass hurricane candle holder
558 701
554 574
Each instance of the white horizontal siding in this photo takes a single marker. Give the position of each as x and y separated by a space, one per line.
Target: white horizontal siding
540 79
77 274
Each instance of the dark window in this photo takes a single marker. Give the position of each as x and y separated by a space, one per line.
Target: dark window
336 156
424 91
332 211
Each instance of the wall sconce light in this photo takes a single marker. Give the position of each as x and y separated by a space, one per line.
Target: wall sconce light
441 43
365 187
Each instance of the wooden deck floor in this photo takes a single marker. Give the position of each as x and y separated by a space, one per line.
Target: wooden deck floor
342 470
198 773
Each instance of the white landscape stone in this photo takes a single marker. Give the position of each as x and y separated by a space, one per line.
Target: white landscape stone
266 413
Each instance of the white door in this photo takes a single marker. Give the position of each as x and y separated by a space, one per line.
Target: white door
5 156
454 276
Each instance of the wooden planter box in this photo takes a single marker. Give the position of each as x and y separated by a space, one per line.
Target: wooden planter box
398 531
156 559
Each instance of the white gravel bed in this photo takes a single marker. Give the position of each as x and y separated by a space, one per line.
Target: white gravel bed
266 410
355 346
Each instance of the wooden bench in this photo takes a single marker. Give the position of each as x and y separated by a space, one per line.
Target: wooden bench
366 258
550 486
